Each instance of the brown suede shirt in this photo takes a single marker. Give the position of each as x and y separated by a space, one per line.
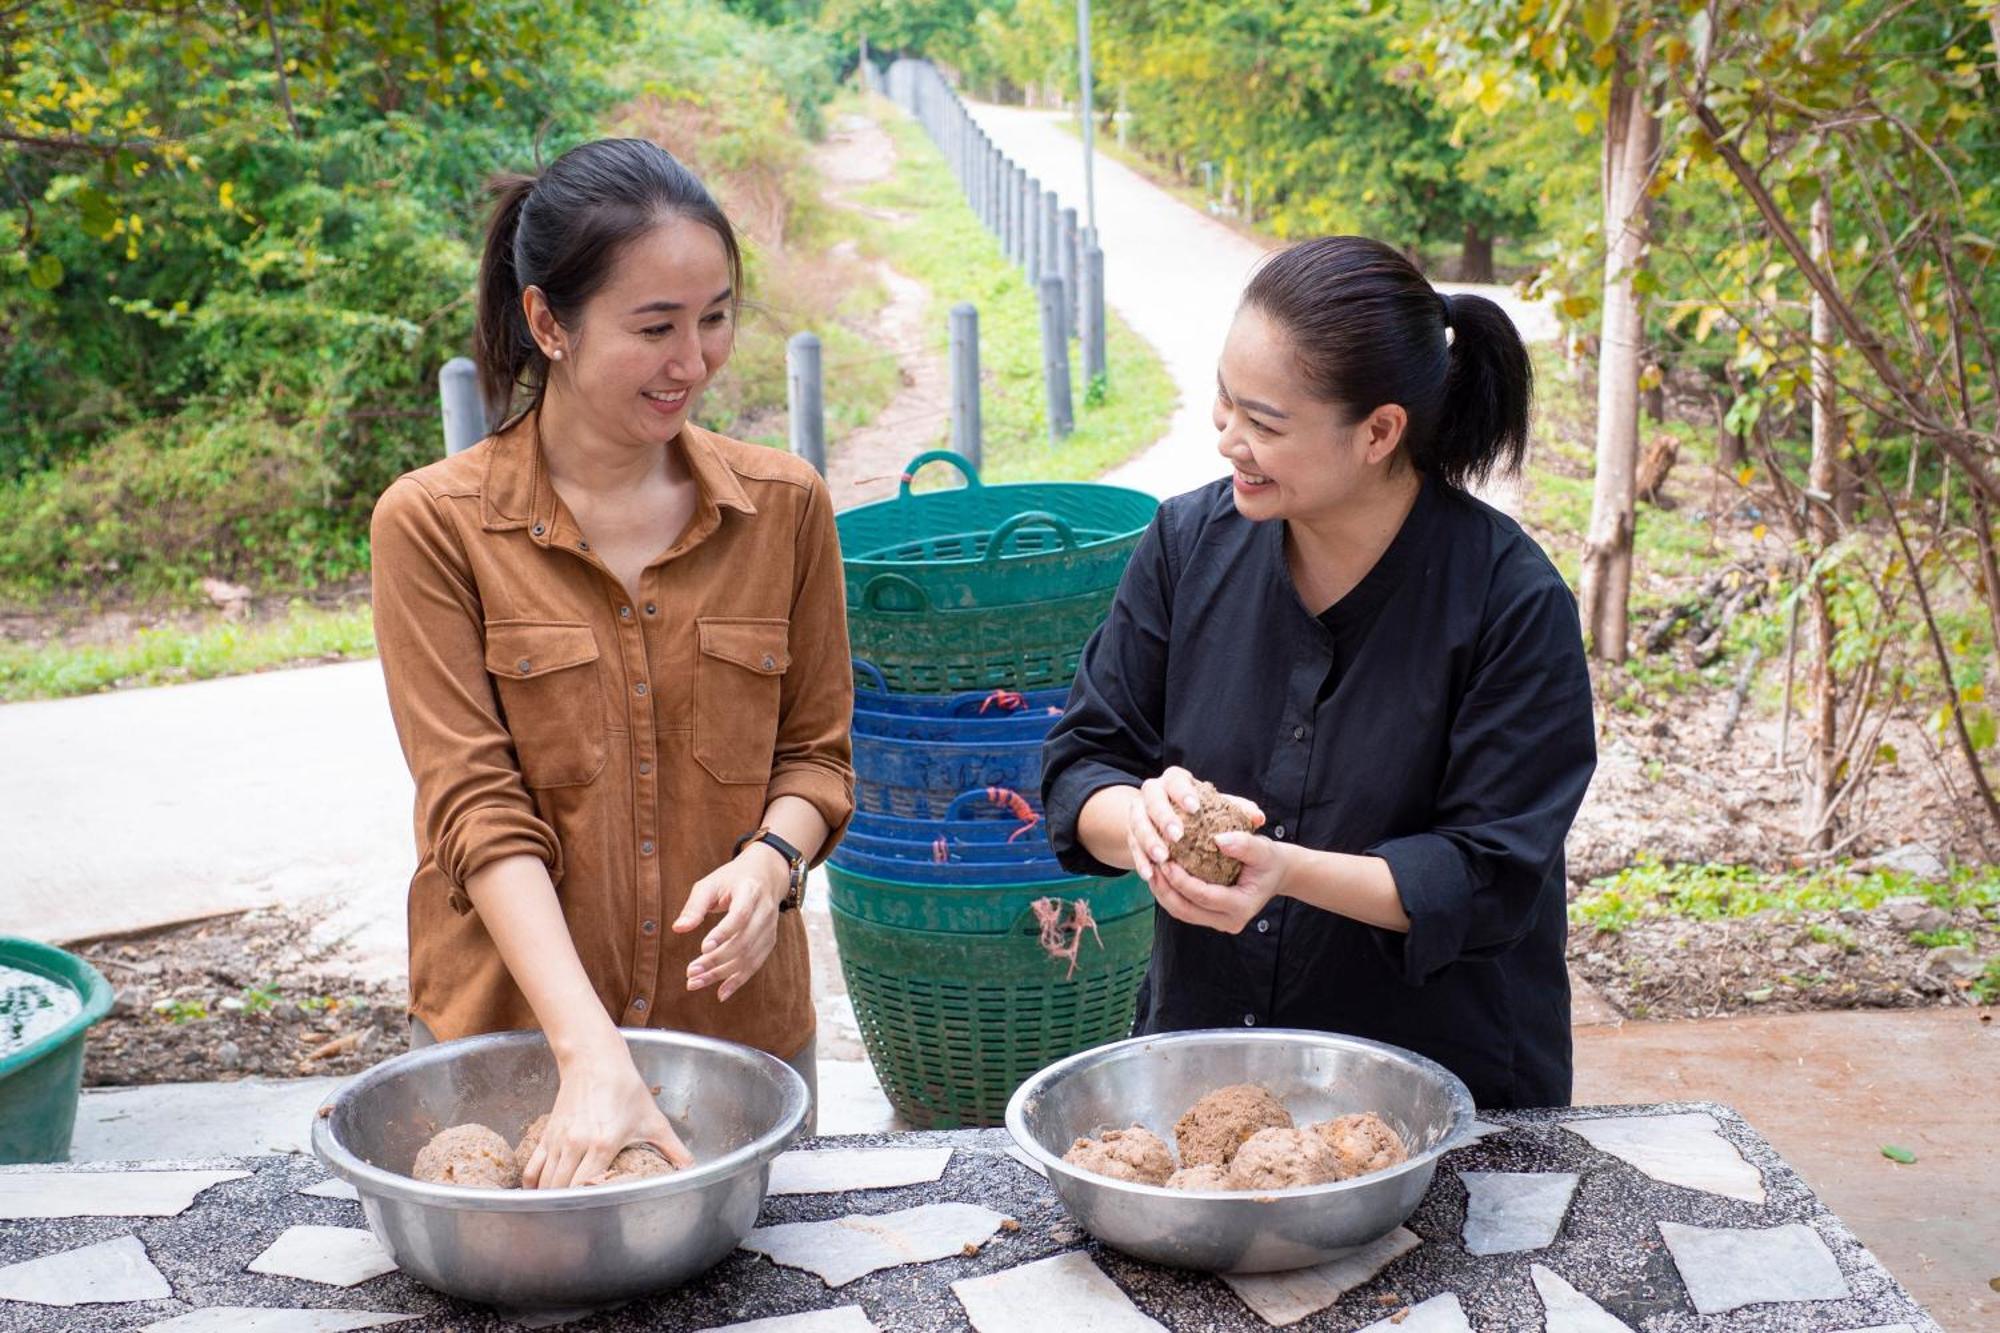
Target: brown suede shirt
626 741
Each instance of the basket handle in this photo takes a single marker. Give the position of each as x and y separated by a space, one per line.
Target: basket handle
863 667
1033 518
871 597
924 460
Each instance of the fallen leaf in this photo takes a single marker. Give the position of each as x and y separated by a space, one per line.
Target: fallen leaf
1896 1154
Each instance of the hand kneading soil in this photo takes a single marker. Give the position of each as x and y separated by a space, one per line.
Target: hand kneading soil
1362 1143
470 1155
1217 1125
1195 849
475 1155
1282 1159
1134 1154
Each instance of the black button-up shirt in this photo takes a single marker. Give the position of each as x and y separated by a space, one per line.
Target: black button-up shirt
1437 716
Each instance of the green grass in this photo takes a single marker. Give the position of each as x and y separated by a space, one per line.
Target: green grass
1652 889
943 246
170 655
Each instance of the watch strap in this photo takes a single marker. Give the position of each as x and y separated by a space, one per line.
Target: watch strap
795 862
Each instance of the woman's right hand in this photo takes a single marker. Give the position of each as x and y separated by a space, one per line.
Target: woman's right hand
1153 822
602 1105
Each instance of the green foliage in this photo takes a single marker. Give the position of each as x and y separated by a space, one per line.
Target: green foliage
1701 892
169 656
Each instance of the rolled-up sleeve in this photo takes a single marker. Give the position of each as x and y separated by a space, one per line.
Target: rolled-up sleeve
1521 750
472 807
1110 734
814 758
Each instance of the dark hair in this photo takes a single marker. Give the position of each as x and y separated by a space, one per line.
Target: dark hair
559 232
1371 330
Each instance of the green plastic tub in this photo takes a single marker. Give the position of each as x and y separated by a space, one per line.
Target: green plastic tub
1032 646
989 546
40 1082
953 1022
960 909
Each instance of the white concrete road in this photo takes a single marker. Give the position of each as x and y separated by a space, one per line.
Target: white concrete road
1175 274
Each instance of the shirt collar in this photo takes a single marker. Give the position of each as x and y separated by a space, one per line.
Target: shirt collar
519 494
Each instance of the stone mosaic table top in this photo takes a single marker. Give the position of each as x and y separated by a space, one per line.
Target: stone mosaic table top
1655 1219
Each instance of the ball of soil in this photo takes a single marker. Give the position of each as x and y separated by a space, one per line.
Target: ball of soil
1217 1125
1209 1177
1136 1155
471 1155
634 1163
1281 1159
1362 1143
1195 849
531 1138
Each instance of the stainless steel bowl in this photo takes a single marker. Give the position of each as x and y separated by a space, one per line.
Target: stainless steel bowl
1151 1080
736 1108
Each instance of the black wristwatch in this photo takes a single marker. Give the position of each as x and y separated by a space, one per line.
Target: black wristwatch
795 862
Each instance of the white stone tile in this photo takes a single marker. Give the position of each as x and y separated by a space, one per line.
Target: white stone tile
1725 1268
1481 1128
257 1319
858 1244
333 1189
32 1194
1569 1310
838 1170
1286 1298
336 1256
116 1270
843 1319
1020 1154
1507 1211
1439 1314
1067 1293
1685 1149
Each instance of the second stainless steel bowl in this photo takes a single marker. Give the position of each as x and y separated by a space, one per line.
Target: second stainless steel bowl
1151 1080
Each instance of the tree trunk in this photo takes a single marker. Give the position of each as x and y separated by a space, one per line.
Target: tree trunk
1475 257
1630 139
1821 764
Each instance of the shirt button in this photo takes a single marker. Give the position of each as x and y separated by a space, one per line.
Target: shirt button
583 546
538 529
1249 1020
624 613
1263 927
645 767
524 666
770 662
640 688
1278 832
648 927
639 1005
651 609
645 849
1298 733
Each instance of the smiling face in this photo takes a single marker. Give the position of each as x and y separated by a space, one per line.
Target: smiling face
1295 456
634 361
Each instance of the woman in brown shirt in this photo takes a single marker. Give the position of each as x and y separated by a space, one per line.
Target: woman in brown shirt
616 653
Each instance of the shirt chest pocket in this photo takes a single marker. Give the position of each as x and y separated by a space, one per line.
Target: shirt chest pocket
739 678
546 675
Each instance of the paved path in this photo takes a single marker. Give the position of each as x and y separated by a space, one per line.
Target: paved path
1175 274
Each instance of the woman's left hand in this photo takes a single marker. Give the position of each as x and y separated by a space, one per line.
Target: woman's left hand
1227 907
747 892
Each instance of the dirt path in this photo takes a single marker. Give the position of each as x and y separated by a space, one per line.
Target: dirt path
864 464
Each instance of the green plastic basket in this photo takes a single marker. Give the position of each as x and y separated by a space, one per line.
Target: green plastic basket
959 909
983 546
925 650
41 1082
953 1022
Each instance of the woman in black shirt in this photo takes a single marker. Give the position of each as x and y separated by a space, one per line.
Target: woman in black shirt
1386 671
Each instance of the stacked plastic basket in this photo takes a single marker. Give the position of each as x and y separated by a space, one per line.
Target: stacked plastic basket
972 959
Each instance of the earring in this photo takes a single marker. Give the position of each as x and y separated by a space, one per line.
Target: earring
556 355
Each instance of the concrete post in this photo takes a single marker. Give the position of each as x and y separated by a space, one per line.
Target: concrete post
1031 228
1066 254
458 398
1093 313
967 431
1055 361
1050 234
805 393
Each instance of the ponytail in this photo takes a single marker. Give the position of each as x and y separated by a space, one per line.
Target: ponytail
502 347
1483 424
